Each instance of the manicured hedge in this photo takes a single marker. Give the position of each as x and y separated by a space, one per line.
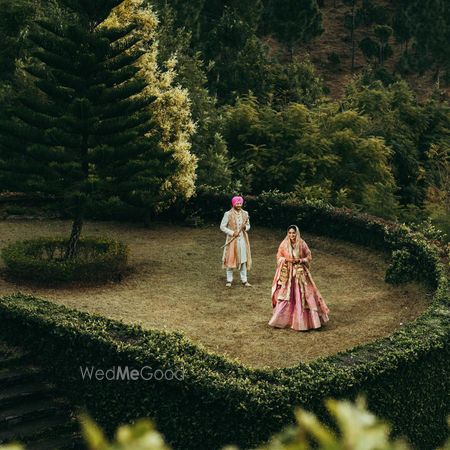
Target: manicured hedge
419 259
405 376
42 260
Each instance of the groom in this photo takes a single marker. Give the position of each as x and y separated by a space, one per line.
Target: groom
236 254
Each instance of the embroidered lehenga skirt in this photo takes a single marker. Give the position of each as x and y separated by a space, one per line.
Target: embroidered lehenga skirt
305 309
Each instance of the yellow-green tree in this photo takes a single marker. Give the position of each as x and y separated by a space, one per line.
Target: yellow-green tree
171 122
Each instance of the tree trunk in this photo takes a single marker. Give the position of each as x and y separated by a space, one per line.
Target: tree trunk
147 218
352 36
438 77
78 221
291 52
74 237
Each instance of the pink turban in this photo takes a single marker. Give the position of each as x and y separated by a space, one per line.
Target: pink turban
236 199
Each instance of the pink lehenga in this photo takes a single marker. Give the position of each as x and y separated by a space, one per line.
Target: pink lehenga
296 301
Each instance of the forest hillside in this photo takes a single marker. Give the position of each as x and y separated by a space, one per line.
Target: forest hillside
336 101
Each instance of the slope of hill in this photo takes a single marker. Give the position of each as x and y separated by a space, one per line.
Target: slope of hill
336 39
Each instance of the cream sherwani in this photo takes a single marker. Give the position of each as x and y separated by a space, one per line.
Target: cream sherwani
239 258
242 247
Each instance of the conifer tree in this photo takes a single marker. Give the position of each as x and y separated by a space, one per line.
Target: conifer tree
383 33
351 23
90 120
401 24
294 22
430 25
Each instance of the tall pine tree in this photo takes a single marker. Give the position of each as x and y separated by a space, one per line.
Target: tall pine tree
293 21
88 122
430 25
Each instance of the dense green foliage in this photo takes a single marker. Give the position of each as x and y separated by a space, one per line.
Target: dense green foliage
418 136
421 27
16 16
207 143
428 22
228 34
357 428
220 402
292 22
378 149
42 260
232 60
392 112
396 116
317 153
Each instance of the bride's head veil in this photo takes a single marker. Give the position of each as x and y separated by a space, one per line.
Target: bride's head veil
297 241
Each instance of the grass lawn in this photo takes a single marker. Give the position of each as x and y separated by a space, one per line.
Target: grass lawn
178 284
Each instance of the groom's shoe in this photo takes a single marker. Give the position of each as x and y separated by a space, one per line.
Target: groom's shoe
246 284
228 285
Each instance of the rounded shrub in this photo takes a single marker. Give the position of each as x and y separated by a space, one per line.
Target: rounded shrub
43 260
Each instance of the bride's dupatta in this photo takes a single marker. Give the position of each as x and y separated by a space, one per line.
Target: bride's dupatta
286 271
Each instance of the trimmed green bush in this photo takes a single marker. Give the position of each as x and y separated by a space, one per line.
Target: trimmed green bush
405 376
42 260
402 267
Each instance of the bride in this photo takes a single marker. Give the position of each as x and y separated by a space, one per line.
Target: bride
296 301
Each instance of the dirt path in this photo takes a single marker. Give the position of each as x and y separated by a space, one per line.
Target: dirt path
178 284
